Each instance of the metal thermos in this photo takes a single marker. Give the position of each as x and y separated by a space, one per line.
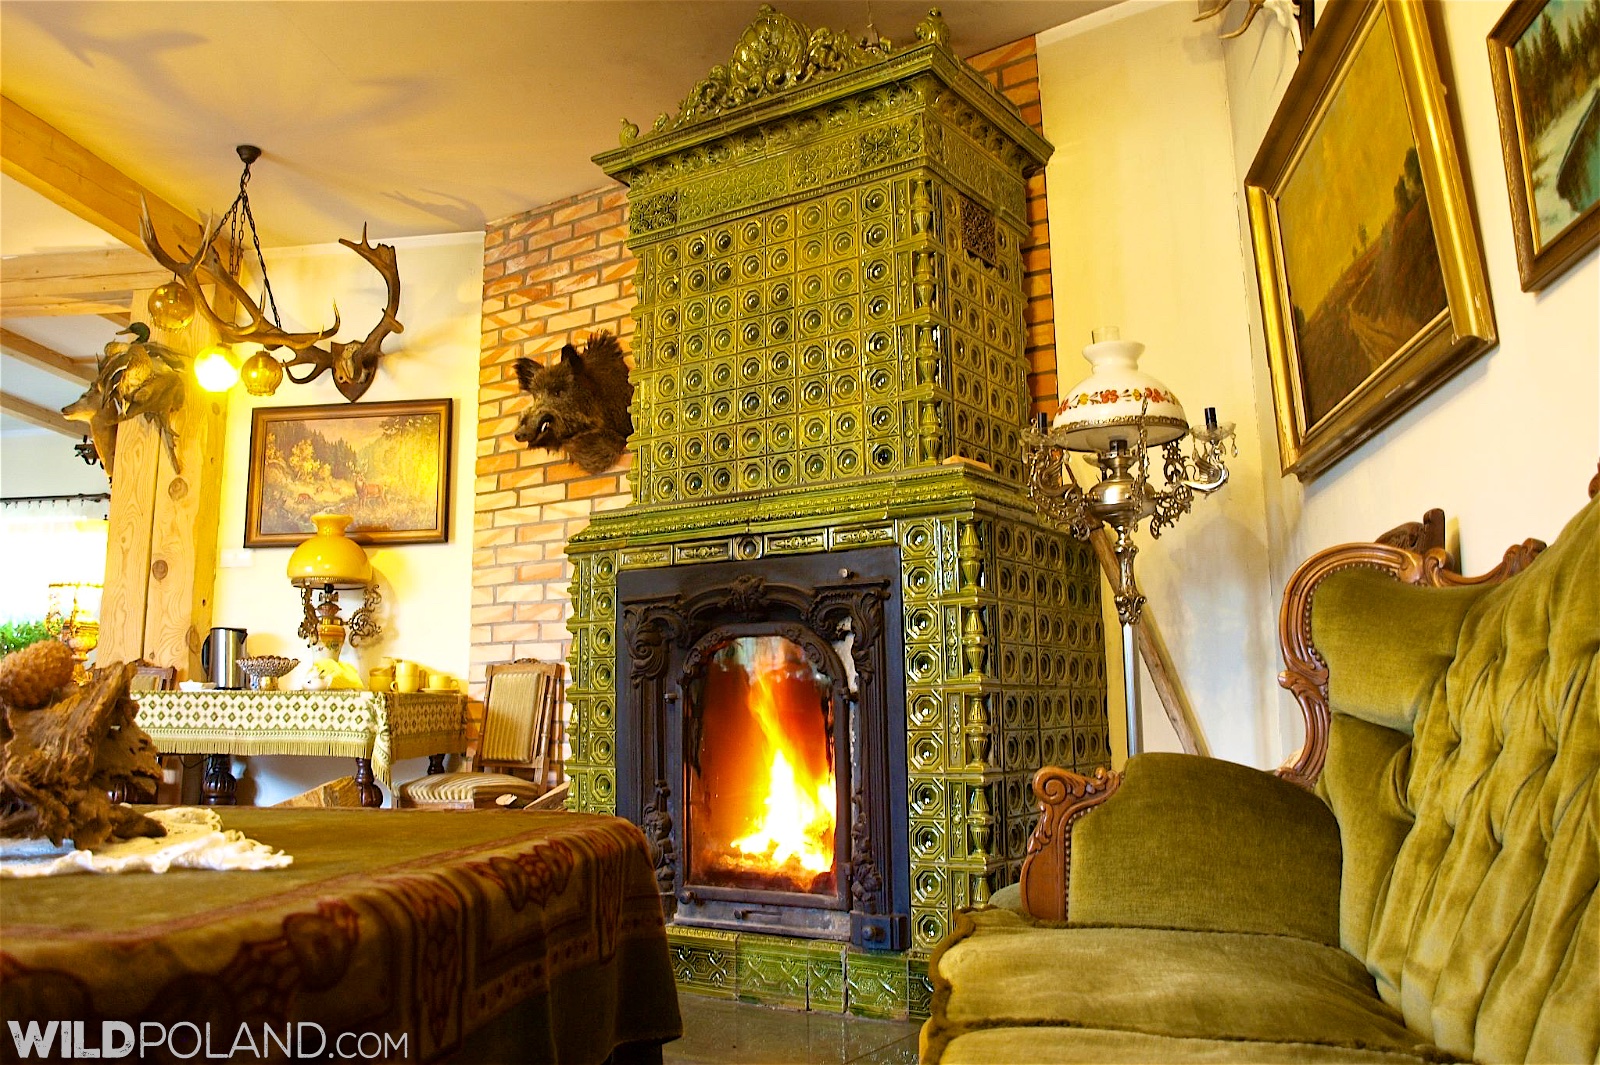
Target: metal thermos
219 657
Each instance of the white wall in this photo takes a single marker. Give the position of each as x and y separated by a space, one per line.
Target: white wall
1143 237
37 462
1155 124
426 587
1506 447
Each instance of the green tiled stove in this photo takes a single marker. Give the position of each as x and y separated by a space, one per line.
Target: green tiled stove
830 387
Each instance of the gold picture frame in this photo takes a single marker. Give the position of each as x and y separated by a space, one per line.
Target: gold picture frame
1549 110
1371 274
387 465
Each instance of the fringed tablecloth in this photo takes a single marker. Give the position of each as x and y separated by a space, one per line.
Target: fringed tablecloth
491 935
346 723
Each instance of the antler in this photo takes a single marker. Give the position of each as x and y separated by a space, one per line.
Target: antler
353 363
1222 5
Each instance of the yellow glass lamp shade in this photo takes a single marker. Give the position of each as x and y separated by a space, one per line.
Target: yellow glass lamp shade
215 370
330 557
261 374
171 306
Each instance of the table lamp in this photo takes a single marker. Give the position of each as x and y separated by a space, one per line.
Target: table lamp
328 563
1114 416
74 619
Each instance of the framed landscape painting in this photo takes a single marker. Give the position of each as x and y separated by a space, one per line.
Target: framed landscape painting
1371 275
1544 56
387 465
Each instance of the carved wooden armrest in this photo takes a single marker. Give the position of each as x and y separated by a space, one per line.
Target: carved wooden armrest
1064 796
1305 675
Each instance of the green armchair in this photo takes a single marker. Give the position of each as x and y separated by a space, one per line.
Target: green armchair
1417 884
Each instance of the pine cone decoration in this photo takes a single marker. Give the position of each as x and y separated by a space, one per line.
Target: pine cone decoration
29 677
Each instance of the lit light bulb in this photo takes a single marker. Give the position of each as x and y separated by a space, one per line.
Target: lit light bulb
171 306
215 370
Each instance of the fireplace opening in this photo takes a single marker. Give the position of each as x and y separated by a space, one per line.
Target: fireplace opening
761 742
763 789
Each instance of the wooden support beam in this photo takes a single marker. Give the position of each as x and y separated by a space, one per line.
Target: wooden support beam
64 307
43 417
35 354
120 319
86 273
65 172
1157 659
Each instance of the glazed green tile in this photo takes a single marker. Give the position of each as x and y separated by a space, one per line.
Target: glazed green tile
773 971
875 984
704 961
825 988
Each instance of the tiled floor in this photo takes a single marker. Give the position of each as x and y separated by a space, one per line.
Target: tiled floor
719 1032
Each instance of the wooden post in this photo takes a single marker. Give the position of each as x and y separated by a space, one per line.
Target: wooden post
162 543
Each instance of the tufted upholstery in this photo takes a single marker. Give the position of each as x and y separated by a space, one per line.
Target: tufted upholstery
1484 931
1463 852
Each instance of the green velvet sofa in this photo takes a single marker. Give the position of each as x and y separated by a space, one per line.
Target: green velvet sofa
1417 884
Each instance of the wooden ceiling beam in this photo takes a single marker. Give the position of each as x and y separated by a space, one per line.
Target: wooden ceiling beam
43 417
64 306
65 172
120 319
30 351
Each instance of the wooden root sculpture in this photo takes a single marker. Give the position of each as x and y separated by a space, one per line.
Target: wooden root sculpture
66 747
137 377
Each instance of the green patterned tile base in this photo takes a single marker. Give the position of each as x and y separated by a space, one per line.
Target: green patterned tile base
826 977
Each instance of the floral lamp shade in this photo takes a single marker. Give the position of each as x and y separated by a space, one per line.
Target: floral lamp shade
1115 399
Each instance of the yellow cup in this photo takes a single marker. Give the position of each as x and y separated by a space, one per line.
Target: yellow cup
440 682
381 679
407 676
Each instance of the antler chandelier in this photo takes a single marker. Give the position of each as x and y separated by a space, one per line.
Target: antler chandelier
353 364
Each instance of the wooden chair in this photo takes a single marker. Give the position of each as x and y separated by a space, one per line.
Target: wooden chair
148 678
521 731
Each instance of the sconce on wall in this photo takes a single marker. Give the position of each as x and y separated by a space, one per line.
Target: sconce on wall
325 564
353 364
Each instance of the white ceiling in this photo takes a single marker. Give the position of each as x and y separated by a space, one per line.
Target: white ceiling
413 116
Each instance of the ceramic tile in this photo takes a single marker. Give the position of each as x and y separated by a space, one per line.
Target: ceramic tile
718 1032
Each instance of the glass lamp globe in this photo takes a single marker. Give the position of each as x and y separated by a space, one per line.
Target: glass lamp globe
171 306
261 374
215 370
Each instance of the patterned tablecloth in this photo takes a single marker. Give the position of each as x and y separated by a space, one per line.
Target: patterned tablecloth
474 935
382 726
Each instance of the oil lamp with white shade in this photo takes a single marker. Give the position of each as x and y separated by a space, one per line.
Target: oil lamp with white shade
1114 417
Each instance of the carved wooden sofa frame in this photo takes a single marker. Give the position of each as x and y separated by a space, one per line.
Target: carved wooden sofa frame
1413 554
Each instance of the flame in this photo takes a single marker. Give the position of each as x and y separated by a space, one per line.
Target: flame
798 826
769 814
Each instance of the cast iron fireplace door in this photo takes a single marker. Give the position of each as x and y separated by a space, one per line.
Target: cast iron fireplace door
761 744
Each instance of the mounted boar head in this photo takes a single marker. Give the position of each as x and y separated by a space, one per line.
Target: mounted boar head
580 403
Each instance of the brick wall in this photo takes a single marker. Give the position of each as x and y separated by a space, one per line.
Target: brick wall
559 272
552 275
1014 69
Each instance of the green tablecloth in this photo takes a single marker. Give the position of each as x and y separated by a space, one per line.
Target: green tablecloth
425 924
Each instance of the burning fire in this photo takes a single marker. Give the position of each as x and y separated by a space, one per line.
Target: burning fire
783 832
799 822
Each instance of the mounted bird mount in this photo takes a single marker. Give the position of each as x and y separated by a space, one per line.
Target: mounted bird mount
352 363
